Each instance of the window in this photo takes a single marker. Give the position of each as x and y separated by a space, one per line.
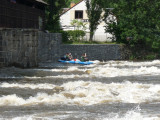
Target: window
78 14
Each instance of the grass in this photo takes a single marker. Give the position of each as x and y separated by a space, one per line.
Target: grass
87 42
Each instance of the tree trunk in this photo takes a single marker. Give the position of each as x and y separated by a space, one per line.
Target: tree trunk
91 37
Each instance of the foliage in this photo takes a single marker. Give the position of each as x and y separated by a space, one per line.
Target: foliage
52 14
71 36
75 35
94 10
64 36
150 57
137 23
79 24
87 42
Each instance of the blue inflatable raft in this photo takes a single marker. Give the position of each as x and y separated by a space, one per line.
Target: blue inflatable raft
76 62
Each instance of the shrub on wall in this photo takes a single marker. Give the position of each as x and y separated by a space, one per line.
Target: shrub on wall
150 56
75 35
72 35
64 36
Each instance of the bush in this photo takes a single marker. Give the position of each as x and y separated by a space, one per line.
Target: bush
64 36
72 36
150 57
75 35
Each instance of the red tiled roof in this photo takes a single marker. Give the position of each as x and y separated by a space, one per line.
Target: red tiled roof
71 7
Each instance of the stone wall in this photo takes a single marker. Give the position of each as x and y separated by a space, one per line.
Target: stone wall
18 47
94 52
28 48
50 49
1 53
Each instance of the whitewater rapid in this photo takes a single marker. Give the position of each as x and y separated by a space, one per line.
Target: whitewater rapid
130 85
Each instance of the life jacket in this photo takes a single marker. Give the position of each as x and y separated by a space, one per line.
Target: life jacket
82 58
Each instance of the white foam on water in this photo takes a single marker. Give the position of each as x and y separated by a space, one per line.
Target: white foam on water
88 93
57 76
132 115
111 69
31 86
69 69
114 72
10 77
19 77
105 71
33 117
108 69
69 76
131 63
11 100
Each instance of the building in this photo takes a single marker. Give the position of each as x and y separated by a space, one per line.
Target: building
78 12
21 22
22 14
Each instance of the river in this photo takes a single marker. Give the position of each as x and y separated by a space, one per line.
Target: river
112 90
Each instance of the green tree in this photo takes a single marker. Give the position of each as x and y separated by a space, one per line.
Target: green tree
94 10
137 22
52 14
79 25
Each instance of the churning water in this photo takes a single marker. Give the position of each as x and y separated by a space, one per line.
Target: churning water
112 90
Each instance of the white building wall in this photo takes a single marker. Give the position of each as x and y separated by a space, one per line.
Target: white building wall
68 16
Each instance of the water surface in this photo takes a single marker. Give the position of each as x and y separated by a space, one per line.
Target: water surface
112 90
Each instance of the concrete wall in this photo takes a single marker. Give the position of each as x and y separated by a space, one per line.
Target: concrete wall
18 46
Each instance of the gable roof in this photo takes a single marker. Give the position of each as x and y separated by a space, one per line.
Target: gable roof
71 7
41 1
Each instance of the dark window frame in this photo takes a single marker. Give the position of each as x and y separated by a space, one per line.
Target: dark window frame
79 14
